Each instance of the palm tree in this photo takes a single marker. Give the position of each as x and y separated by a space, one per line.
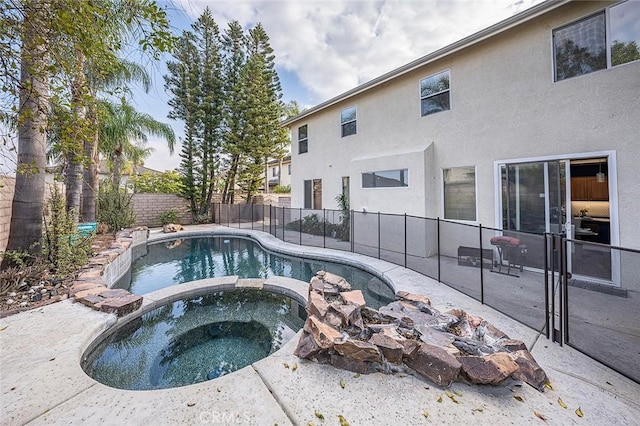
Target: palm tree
120 76
124 131
28 200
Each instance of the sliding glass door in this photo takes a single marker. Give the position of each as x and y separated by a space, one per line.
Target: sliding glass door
534 196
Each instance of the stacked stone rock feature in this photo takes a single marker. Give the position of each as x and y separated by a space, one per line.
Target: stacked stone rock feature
409 335
90 287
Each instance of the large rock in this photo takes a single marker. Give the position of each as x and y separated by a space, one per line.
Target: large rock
320 287
334 280
415 299
528 370
317 306
323 334
306 346
391 349
357 350
354 297
350 315
344 363
434 364
172 227
489 370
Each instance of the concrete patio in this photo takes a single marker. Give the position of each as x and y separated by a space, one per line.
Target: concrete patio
41 381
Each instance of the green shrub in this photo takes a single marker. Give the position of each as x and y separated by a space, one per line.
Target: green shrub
64 249
170 216
115 207
282 189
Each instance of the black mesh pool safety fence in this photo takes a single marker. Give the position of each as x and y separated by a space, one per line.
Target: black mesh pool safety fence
584 294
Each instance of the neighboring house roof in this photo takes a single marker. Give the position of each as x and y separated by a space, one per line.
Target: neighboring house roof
484 34
285 160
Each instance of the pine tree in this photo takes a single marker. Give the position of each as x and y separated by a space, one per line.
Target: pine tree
195 81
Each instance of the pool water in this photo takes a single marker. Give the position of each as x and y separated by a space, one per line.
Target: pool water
180 261
193 340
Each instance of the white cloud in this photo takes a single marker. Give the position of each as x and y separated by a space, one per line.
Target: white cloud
332 46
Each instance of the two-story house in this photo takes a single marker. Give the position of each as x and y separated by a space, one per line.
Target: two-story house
526 125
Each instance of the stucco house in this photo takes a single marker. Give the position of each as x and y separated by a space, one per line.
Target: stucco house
278 172
532 124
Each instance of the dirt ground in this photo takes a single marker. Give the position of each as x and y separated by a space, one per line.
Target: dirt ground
48 291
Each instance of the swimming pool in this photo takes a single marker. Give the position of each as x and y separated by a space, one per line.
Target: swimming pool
194 339
183 260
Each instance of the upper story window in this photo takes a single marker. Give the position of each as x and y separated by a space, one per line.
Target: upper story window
348 121
434 93
303 139
585 46
386 179
289 169
276 171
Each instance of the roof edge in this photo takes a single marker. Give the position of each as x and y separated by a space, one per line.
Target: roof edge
493 30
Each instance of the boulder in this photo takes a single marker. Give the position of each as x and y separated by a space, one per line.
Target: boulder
172 227
323 334
354 297
317 306
357 350
344 363
306 346
349 314
528 370
414 299
488 370
334 280
435 364
391 349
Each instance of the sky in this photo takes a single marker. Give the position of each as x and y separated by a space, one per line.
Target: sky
324 48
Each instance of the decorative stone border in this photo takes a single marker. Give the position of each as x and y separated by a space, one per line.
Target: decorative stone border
92 286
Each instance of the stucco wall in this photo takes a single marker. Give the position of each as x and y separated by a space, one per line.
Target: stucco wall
7 185
504 105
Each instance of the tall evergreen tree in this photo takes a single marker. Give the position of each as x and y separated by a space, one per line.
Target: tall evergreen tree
235 56
195 81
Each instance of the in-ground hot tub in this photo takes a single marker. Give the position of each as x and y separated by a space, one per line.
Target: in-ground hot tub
194 339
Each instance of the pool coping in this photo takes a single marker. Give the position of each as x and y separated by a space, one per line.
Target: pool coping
42 382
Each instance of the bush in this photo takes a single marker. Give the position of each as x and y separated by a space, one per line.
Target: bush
170 216
115 207
282 189
169 182
311 224
64 249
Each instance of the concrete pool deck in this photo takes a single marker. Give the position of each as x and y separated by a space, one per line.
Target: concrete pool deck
41 381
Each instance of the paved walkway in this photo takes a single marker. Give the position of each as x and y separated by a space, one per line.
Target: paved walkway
41 381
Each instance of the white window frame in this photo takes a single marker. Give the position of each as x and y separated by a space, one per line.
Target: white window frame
475 174
448 71
355 120
385 187
607 24
303 139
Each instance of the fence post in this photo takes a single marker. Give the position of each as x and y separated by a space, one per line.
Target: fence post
352 230
252 216
546 283
229 215
300 218
283 237
239 213
324 224
262 217
438 240
379 237
405 240
481 266
563 290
